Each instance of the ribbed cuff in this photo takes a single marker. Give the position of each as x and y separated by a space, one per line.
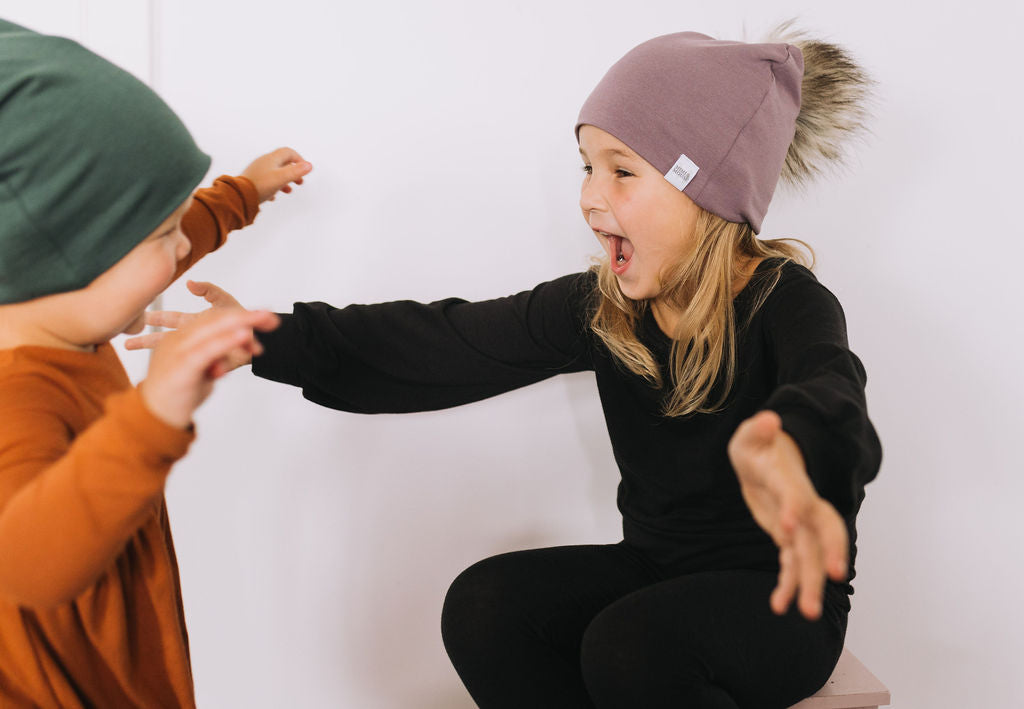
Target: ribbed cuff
250 196
820 452
277 363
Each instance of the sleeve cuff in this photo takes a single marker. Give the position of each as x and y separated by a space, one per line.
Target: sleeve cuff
276 363
250 196
818 448
247 191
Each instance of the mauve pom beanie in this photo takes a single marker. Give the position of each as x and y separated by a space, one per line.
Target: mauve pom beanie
715 117
91 162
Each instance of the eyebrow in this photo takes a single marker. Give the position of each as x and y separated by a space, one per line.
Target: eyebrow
611 151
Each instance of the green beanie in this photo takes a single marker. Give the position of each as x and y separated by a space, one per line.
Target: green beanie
91 162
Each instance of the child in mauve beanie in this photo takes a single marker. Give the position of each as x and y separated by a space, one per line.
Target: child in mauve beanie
97 217
735 408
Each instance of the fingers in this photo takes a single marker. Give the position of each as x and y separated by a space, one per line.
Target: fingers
801 572
812 574
785 590
276 171
796 500
291 166
144 342
222 303
231 348
252 348
210 355
158 318
286 155
168 318
266 321
834 540
214 295
213 339
819 549
219 368
296 171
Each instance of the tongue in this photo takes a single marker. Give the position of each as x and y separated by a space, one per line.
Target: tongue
626 247
614 248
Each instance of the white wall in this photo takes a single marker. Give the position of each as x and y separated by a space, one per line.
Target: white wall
316 547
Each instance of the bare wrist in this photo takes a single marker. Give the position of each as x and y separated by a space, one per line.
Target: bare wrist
174 419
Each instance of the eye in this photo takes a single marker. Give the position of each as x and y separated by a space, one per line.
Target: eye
588 169
623 173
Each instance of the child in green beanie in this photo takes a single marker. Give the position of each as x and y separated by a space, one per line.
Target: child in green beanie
97 217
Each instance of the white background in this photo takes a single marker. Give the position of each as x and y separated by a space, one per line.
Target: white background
316 547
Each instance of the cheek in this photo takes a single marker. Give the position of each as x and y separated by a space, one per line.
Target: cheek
677 226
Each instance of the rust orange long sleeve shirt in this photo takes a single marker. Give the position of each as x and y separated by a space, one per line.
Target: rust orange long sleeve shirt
90 603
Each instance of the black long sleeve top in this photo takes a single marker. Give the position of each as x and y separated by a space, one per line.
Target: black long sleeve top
679 497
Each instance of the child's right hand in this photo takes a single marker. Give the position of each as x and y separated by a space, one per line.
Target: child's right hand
273 172
205 346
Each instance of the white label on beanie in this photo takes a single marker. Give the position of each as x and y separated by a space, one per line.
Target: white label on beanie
682 172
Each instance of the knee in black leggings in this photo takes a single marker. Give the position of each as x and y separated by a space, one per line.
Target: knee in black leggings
627 662
471 609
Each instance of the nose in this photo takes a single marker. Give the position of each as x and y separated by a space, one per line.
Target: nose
591 197
184 246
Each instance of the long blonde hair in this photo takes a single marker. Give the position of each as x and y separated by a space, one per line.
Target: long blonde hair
700 288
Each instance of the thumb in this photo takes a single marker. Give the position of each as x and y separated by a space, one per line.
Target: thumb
197 287
211 293
760 429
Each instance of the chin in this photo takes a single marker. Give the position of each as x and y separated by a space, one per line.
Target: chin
136 326
637 291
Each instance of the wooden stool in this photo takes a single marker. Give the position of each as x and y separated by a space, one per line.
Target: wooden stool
851 686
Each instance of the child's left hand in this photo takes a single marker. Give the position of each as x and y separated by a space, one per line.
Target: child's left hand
219 299
810 534
273 172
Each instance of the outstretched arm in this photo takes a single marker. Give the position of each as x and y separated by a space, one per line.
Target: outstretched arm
406 356
802 463
233 202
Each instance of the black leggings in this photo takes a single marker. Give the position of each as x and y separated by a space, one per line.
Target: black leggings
602 626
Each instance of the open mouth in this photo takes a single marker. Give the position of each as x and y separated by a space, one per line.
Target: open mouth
620 251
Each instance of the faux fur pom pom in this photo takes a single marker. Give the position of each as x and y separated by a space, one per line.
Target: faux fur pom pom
833 105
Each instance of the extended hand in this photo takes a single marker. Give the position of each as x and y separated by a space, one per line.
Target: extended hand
219 299
810 534
272 173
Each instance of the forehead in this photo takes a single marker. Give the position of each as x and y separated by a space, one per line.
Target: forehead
596 142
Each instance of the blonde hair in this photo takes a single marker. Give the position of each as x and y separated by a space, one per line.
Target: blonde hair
699 287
